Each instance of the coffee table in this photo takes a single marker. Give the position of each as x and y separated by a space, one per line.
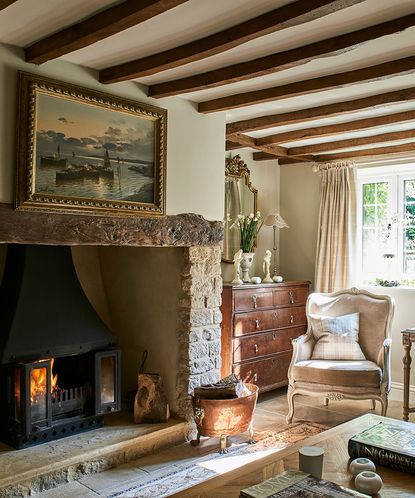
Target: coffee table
336 460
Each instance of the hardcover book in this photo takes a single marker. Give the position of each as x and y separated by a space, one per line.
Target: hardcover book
297 484
391 444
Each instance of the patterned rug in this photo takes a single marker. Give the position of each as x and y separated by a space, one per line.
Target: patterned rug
181 477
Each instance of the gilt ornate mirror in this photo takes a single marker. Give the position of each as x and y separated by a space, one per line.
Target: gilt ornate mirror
241 197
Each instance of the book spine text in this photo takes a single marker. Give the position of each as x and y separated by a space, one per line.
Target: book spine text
381 456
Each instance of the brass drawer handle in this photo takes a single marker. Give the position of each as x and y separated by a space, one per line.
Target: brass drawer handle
256 348
291 318
255 377
291 294
275 315
274 336
254 298
257 324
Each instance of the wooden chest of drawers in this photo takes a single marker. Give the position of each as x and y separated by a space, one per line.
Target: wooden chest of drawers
258 324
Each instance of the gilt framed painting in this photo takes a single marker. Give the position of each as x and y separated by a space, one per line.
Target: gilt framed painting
84 151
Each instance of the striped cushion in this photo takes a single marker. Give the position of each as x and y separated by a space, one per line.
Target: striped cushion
336 337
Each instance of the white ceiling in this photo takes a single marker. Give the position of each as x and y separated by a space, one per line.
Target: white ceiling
26 21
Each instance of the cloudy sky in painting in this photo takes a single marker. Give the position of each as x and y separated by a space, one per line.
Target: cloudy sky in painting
90 130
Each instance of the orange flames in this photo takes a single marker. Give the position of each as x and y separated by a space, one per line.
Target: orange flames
38 382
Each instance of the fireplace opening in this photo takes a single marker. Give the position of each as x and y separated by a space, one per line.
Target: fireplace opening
56 397
59 369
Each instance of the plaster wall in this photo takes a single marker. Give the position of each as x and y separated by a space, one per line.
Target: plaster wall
265 177
143 286
300 200
195 142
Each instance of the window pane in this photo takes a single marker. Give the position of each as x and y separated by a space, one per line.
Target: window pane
382 216
409 262
369 216
369 193
382 192
410 210
409 190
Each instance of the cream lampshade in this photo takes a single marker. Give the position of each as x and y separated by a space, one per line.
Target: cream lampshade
275 220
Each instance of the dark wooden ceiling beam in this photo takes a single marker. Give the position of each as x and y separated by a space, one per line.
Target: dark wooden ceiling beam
265 156
336 129
233 145
6 3
293 14
275 150
323 111
351 142
375 151
279 61
338 80
96 28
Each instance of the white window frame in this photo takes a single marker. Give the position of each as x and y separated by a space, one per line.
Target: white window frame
395 175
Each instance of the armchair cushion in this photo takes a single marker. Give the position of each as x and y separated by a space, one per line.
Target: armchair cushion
336 337
338 373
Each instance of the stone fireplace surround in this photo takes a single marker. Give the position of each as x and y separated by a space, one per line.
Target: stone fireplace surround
198 325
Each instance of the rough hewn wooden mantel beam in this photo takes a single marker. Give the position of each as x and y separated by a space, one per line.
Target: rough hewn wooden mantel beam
182 230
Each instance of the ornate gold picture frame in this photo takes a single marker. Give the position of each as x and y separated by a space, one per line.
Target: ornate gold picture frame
84 151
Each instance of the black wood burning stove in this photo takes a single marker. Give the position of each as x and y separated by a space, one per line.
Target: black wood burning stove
59 371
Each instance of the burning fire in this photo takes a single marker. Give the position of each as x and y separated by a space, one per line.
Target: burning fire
38 382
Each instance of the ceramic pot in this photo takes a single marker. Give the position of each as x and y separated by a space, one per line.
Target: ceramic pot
361 464
246 263
368 482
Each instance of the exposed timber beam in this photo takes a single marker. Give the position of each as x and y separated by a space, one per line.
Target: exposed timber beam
323 111
229 145
336 129
96 28
6 3
379 72
293 14
279 61
351 142
275 150
263 156
375 151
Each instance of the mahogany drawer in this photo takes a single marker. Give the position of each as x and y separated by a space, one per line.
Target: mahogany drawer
267 343
293 296
251 299
259 321
290 317
256 321
266 373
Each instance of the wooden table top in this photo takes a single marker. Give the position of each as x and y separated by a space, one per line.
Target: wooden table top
336 462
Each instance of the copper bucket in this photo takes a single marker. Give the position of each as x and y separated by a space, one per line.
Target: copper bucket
225 417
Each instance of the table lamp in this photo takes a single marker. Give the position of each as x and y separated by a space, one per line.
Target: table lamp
275 221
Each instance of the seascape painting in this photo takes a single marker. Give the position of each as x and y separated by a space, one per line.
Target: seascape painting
92 152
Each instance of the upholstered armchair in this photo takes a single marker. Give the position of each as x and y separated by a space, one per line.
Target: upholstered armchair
335 379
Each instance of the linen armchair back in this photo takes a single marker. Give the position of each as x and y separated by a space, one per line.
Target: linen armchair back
375 316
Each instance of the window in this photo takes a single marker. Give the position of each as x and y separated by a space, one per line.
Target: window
386 223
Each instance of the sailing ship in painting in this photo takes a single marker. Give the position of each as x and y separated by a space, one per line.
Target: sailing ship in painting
55 160
87 170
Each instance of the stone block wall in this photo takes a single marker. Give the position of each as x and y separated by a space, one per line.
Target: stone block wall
199 328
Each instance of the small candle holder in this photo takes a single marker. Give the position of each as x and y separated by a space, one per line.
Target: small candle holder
360 465
311 460
368 482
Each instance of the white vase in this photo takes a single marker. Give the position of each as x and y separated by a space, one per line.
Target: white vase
246 263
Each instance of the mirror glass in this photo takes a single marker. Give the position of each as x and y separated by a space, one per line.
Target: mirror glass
241 197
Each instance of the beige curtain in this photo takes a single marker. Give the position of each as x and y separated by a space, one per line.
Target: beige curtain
336 227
